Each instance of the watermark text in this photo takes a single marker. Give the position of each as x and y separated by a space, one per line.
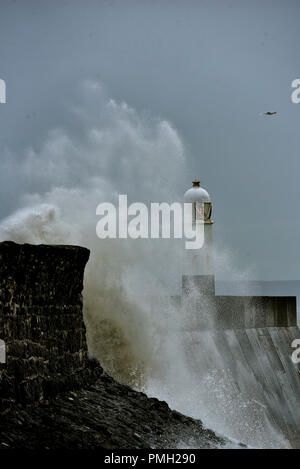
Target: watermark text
163 220
296 353
2 92
2 352
295 96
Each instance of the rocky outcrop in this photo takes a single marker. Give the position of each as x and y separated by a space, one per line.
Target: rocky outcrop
51 394
106 415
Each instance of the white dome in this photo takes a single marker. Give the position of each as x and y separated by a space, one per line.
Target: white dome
196 194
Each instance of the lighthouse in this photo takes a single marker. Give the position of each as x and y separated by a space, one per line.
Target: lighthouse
198 264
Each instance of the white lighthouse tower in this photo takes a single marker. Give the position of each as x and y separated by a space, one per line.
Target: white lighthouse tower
198 268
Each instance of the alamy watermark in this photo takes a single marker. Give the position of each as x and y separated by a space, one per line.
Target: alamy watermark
162 220
2 101
2 92
2 352
296 354
295 96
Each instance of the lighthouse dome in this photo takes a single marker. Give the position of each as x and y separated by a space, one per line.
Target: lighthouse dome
197 194
200 200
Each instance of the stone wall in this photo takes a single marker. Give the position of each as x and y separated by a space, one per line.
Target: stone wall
41 322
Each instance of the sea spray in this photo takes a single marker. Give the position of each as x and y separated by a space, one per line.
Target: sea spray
62 184
133 326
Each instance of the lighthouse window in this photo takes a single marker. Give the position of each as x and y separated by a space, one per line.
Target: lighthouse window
207 211
201 211
198 212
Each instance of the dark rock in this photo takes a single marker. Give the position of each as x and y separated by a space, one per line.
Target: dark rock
102 416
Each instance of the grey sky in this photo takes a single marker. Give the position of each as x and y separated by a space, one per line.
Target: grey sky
209 67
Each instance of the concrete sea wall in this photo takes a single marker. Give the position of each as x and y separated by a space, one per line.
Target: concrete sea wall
246 342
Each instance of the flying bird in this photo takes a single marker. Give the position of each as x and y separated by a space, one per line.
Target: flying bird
269 113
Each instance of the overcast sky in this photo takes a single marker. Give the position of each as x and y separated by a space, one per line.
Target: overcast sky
211 68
